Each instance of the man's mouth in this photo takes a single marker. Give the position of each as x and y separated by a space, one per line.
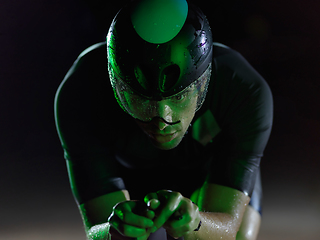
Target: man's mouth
163 138
169 123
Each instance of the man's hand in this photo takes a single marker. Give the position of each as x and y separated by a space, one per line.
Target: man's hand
177 214
132 219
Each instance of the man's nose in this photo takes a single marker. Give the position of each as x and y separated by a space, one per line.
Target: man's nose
163 110
159 123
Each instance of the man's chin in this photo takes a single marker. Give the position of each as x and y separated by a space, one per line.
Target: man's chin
167 145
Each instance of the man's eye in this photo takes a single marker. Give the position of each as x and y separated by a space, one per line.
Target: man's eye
179 97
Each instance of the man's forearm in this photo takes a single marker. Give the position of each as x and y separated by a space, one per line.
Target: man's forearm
104 232
99 232
216 226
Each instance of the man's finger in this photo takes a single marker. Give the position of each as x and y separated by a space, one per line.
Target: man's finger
150 196
130 218
149 214
186 218
184 224
153 204
131 231
144 237
167 208
126 229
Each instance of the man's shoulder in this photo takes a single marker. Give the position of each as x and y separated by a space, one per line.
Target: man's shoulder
82 99
90 68
229 62
225 56
234 81
92 60
96 50
87 81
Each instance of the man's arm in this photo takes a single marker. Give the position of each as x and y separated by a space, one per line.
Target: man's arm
95 214
220 208
115 215
250 223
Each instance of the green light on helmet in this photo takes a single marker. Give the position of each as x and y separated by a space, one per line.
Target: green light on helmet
159 21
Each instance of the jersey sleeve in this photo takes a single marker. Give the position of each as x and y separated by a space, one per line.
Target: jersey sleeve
243 107
84 128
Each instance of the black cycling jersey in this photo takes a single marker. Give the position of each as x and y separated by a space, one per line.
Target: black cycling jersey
106 151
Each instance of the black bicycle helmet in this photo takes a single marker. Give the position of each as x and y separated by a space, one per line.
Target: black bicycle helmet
159 50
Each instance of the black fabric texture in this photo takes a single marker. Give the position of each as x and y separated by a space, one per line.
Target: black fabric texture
106 151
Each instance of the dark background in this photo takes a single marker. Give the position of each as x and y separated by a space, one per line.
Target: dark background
39 40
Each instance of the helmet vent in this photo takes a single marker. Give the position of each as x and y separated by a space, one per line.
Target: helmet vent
169 77
141 78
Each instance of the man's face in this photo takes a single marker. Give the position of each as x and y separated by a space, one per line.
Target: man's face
166 121
166 136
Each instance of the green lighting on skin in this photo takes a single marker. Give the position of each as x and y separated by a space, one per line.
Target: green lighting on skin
186 115
159 21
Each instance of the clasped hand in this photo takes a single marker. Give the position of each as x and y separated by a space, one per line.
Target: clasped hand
167 209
